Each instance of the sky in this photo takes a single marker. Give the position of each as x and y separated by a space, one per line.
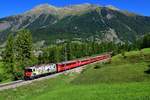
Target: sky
13 7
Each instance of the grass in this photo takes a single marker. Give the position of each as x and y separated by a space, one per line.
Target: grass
146 51
133 57
122 79
2 80
97 92
114 74
1 69
3 74
60 89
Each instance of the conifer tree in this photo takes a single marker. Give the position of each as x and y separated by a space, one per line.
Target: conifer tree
146 41
23 47
8 56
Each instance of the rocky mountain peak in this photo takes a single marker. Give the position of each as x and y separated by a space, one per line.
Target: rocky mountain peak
82 6
43 8
113 7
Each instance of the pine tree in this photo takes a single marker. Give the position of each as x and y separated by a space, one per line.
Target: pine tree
146 41
51 55
40 59
57 54
68 51
23 47
8 56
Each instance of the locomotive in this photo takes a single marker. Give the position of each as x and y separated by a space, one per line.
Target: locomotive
47 69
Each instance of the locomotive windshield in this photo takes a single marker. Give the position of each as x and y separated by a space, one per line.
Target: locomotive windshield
28 70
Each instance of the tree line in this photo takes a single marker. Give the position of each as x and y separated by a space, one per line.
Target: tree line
70 51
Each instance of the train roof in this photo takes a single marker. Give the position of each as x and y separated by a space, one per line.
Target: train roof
65 62
36 66
80 59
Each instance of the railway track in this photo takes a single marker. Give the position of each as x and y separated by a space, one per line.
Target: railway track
18 83
10 83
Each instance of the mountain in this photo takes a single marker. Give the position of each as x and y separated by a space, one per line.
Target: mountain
77 22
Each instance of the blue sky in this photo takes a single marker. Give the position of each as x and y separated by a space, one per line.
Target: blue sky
13 7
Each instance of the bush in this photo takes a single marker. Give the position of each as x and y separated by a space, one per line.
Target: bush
123 54
1 77
18 75
97 67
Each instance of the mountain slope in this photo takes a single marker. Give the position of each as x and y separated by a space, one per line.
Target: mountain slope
85 22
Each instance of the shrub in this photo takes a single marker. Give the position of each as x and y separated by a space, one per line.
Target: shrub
18 75
97 66
123 54
1 77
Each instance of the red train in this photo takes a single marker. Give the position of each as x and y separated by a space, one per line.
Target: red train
42 70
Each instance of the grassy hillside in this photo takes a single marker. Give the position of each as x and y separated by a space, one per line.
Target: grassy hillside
122 79
130 69
60 88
